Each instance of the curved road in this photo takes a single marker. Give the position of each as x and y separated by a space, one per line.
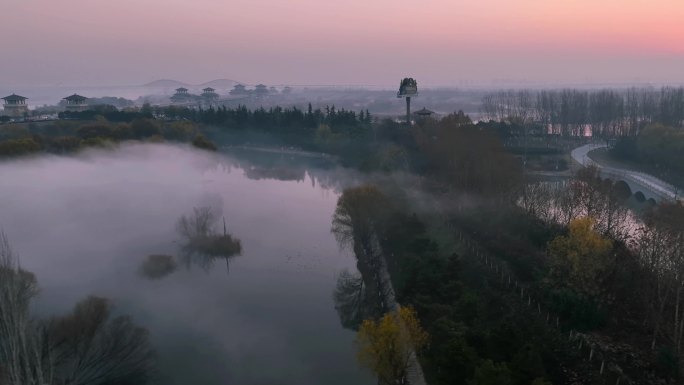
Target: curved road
653 185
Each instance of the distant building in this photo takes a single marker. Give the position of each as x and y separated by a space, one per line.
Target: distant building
239 90
76 102
181 95
209 94
260 90
15 106
287 90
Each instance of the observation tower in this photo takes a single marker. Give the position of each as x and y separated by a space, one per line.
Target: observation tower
408 88
15 106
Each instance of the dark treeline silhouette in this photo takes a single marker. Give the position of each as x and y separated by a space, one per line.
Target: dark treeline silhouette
275 119
109 112
657 150
68 136
609 113
337 131
467 157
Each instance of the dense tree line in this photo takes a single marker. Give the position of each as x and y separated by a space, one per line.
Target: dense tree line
465 156
337 131
473 335
657 146
275 119
70 136
109 112
608 113
621 271
590 261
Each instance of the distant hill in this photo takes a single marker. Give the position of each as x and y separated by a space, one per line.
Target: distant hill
165 83
169 83
219 83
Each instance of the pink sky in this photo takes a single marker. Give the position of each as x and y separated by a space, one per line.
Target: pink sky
440 42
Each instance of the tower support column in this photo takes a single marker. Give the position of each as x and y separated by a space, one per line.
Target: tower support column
408 110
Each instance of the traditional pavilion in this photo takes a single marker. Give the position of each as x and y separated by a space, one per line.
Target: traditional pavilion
181 95
424 113
260 90
15 106
209 93
76 102
238 89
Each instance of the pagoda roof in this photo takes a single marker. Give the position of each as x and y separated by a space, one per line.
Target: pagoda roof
260 86
75 98
238 86
14 97
208 89
424 111
181 89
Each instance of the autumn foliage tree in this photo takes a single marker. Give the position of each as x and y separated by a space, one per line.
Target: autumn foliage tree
385 346
583 258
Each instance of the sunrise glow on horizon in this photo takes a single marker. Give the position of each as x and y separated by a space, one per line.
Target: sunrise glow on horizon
342 42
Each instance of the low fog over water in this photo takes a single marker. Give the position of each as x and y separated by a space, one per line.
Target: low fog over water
85 224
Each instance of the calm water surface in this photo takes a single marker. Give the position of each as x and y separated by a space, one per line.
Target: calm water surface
84 224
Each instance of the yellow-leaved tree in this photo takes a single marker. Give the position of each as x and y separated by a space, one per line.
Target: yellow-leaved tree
385 346
583 258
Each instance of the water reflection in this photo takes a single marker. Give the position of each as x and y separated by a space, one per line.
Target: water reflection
157 266
283 165
360 211
203 245
354 301
277 173
101 213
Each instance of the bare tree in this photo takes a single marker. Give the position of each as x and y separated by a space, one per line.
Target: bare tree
93 348
203 244
199 224
23 356
652 248
354 299
86 347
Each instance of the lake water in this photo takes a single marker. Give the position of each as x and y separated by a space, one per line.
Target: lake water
84 225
